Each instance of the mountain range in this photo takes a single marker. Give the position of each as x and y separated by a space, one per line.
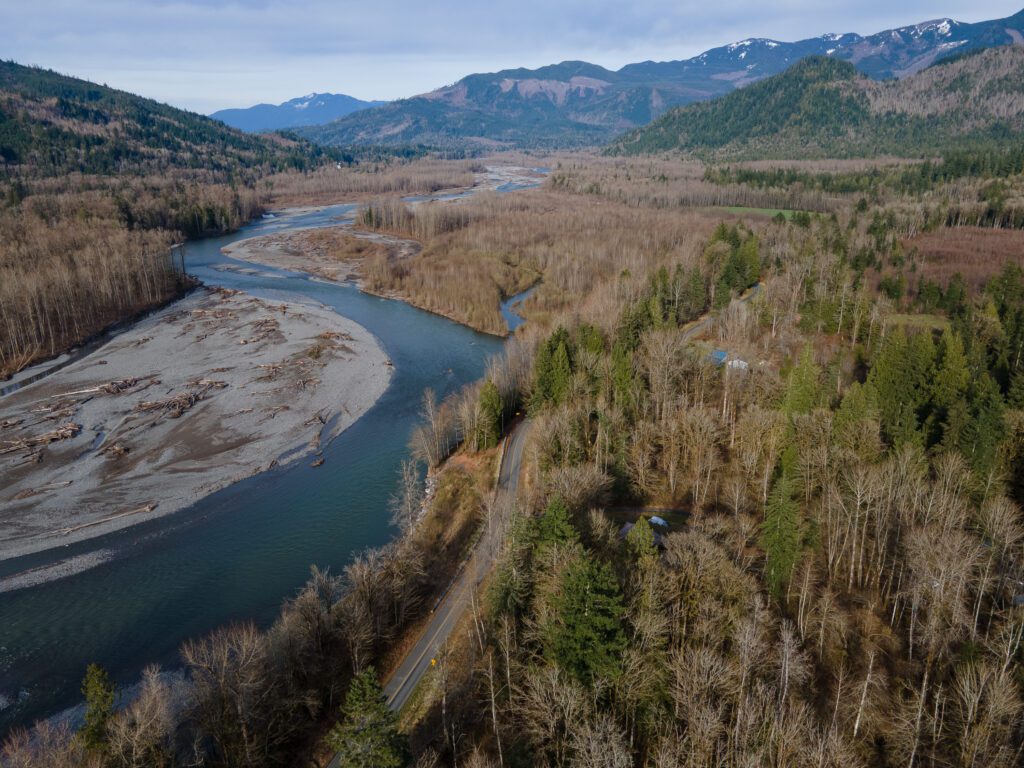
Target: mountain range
822 107
576 103
313 109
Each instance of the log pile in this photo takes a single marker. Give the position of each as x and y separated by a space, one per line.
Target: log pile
63 432
302 367
263 330
174 406
110 388
116 387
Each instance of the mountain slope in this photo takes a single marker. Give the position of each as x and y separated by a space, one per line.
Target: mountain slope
52 125
576 103
314 109
95 185
822 106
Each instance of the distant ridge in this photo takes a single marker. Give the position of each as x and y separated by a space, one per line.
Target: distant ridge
54 125
823 107
576 103
314 109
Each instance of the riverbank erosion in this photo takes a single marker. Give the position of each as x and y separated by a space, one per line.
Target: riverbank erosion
214 388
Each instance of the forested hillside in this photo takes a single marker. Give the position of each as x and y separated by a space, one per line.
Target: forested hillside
576 103
53 125
823 108
95 184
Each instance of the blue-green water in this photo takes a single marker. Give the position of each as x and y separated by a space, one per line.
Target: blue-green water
238 553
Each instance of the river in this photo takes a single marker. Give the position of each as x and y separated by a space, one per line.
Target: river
238 553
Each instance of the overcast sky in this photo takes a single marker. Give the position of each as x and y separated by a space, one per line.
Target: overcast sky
209 54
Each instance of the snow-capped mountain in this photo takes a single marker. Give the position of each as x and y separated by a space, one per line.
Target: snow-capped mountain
577 103
312 109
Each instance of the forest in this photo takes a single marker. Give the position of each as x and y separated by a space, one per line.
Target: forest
812 373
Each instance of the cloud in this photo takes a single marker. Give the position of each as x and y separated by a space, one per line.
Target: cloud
214 53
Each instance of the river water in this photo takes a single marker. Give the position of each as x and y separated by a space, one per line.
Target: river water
237 554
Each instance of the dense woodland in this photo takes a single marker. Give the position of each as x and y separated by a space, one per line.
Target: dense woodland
846 587
814 371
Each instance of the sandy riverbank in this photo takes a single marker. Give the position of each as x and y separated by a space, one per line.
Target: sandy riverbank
331 253
210 390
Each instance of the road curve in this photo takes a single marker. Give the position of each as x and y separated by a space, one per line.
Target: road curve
458 598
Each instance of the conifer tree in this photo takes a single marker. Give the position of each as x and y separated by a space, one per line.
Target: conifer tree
489 426
858 407
552 370
782 534
949 386
803 391
99 708
981 439
368 735
1015 397
555 525
587 638
902 374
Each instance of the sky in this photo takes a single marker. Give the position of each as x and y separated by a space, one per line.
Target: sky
205 55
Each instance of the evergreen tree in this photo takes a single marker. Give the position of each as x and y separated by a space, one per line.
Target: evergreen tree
561 373
782 534
902 374
489 425
509 591
640 541
99 708
552 370
587 637
695 298
859 406
981 440
803 390
555 525
949 385
905 427
590 339
954 426
1015 397
749 258
368 735
660 301
635 321
623 376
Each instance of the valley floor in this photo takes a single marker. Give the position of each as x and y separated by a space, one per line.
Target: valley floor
214 388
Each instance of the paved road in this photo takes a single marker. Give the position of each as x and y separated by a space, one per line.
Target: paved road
458 598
